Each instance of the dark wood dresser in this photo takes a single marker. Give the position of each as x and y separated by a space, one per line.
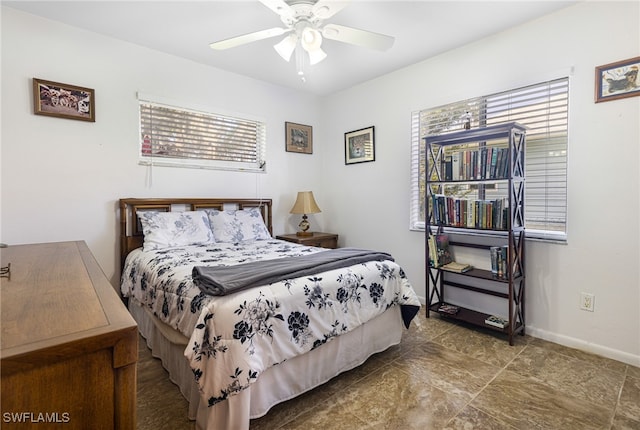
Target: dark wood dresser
68 347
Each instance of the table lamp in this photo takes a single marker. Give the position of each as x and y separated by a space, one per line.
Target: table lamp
305 204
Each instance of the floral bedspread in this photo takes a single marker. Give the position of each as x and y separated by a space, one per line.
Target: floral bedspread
236 337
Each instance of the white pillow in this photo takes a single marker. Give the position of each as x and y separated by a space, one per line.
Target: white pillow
171 229
237 225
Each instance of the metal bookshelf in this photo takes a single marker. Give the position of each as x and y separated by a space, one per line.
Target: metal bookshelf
478 172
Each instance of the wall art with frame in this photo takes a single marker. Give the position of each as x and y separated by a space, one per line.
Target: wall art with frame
359 146
617 80
63 100
298 138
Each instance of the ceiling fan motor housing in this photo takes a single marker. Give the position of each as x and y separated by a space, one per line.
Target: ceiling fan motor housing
303 12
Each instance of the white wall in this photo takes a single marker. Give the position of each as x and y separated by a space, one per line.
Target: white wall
369 203
61 178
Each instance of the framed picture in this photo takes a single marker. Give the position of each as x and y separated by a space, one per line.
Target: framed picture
63 100
359 146
617 80
299 138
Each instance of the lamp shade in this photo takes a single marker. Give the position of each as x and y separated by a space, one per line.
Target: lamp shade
305 204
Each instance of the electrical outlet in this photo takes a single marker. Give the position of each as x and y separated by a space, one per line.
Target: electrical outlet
587 301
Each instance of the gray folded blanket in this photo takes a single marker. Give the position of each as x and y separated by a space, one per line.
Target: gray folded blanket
222 280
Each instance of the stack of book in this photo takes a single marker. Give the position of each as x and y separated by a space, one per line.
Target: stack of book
457 267
448 309
496 321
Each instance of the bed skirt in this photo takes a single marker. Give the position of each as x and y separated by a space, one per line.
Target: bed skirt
276 384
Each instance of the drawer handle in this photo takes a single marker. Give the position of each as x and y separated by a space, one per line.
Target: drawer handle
5 272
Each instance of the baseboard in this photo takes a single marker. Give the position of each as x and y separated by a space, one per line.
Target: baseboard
582 345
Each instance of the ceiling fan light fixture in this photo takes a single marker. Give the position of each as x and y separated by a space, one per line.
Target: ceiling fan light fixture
316 56
311 39
286 46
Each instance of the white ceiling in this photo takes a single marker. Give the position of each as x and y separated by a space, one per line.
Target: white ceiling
185 28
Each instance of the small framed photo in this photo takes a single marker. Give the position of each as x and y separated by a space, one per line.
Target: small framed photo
299 138
359 146
617 80
63 100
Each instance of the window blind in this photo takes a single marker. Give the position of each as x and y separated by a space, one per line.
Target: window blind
417 213
178 136
544 109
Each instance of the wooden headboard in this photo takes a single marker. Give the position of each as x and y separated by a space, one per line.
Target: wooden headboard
131 236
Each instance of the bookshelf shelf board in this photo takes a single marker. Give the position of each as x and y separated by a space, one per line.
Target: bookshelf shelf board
483 274
475 181
476 135
473 317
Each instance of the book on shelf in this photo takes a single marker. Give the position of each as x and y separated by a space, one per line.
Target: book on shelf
500 263
448 309
494 161
439 252
455 166
433 254
454 266
442 249
448 168
496 321
494 260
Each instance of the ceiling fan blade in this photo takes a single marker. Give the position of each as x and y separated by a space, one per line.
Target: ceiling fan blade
327 8
248 38
280 7
355 36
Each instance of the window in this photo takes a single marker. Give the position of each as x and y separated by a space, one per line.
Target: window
177 136
543 108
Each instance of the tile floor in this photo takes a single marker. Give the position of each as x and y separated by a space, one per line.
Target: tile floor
442 376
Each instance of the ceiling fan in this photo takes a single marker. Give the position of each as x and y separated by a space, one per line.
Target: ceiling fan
303 21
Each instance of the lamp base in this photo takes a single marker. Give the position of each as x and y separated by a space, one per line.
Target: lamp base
304 234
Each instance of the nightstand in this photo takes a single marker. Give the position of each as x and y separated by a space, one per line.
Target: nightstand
323 240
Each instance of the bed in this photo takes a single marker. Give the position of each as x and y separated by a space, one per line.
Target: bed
236 351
